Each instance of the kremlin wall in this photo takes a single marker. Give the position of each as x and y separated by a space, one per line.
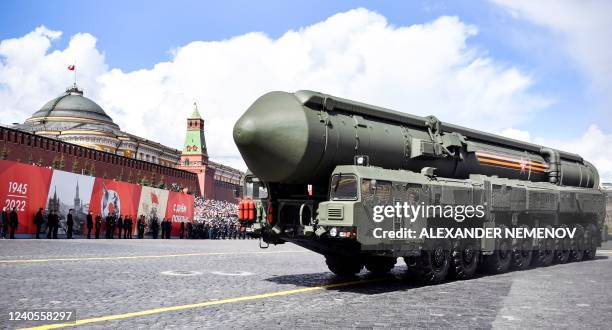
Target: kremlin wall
71 155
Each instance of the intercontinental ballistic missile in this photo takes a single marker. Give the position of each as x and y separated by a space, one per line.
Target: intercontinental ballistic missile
299 138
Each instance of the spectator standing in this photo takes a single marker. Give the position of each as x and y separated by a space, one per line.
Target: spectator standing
5 222
89 224
13 222
98 225
69 224
38 221
119 226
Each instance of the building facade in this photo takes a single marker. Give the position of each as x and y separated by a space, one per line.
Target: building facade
72 132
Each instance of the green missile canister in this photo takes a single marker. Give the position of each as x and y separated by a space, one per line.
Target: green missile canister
301 137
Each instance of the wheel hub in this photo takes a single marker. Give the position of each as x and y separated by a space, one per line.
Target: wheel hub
468 255
438 257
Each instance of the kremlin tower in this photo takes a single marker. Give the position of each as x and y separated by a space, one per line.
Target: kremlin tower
194 157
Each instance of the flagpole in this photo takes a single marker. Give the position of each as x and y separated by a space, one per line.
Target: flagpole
74 73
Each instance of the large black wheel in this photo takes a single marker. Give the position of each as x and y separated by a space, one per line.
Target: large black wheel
522 252
343 266
432 266
562 248
577 243
544 251
464 258
499 261
591 240
380 265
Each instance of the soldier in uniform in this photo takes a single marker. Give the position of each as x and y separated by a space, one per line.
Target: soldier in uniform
113 225
154 226
126 226
131 227
168 228
50 224
38 221
89 224
13 222
5 222
107 222
70 224
182 230
189 229
98 225
119 226
163 228
224 230
56 223
141 227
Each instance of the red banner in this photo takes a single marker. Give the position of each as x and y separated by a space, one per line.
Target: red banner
179 209
24 187
114 196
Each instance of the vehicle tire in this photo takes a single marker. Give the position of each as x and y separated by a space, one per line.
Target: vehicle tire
343 266
464 258
499 261
544 251
380 265
590 242
562 249
522 252
432 266
577 244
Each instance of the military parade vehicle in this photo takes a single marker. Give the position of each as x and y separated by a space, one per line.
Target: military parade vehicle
330 168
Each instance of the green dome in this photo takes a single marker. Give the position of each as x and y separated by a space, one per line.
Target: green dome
74 105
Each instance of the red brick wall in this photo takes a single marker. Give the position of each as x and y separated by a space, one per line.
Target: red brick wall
29 148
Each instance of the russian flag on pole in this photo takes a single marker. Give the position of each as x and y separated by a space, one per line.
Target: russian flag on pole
71 67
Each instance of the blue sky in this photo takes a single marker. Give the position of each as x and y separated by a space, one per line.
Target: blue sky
137 35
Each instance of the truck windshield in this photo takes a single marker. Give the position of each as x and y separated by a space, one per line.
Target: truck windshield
344 186
255 188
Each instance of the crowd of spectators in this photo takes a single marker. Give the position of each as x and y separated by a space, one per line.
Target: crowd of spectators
215 219
211 209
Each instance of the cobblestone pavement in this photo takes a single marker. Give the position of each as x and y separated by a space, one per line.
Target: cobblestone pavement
95 278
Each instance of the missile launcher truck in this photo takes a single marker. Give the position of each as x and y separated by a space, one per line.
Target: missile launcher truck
327 164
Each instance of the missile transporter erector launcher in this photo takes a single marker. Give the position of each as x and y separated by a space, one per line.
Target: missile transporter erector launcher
364 185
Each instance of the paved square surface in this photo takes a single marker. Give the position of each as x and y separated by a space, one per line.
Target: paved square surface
234 284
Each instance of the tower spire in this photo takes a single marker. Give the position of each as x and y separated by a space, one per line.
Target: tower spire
194 149
196 113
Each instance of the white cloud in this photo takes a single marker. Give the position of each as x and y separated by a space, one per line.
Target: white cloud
30 75
421 69
516 134
584 29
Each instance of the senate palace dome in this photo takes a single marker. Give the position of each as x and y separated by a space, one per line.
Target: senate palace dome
73 108
74 118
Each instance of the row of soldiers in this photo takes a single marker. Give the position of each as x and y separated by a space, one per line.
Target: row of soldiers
113 223
121 226
217 229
